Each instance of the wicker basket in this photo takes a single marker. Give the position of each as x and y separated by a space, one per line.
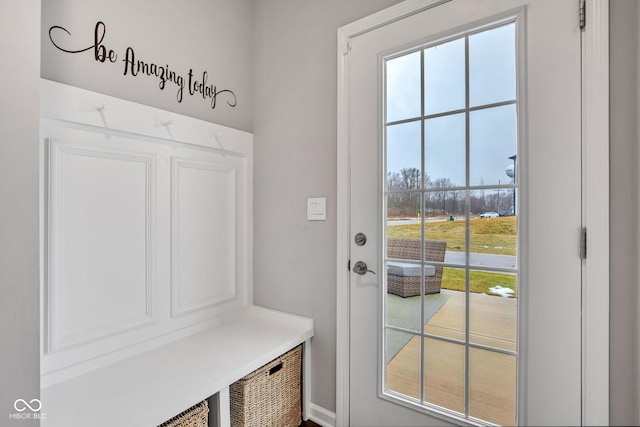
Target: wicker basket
196 416
269 396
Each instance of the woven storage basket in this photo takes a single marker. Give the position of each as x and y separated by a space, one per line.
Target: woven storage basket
270 395
196 416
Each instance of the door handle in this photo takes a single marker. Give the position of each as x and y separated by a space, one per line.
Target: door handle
361 268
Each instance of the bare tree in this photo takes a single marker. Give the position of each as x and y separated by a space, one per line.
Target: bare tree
401 201
439 197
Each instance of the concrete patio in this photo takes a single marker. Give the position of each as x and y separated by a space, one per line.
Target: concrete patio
492 375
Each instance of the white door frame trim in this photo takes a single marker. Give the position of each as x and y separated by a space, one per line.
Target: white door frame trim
595 200
595 307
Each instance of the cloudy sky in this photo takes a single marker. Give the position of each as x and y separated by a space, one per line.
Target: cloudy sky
492 131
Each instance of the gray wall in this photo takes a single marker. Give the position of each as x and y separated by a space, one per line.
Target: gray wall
624 213
203 35
295 128
19 281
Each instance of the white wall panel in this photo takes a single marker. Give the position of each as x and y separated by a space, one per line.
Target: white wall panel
203 234
147 226
101 251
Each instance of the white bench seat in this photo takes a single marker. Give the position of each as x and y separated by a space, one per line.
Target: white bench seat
154 386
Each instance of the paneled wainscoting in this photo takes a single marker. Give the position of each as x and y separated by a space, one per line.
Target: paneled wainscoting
147 285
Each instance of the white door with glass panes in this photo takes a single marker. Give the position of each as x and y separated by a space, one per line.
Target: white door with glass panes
464 125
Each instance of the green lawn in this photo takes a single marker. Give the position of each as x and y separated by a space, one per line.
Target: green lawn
486 235
479 281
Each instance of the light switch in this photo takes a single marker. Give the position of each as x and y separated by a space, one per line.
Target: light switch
317 209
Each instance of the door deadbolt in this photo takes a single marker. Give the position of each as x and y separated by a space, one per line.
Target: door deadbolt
361 268
361 239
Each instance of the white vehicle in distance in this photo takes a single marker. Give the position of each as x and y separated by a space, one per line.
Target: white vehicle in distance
489 215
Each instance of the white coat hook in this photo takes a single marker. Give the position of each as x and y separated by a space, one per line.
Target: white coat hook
101 110
217 136
167 126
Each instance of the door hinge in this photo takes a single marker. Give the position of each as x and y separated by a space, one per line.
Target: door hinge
582 14
583 243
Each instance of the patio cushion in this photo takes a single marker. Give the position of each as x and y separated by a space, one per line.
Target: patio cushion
407 269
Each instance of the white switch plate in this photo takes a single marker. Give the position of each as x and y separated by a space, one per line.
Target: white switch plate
317 208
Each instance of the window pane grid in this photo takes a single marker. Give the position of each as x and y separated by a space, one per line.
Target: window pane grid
452 112
441 194
452 340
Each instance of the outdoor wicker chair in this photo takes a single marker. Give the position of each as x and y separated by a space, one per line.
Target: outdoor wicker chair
409 249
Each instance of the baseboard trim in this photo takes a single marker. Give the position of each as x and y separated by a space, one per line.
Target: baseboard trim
321 416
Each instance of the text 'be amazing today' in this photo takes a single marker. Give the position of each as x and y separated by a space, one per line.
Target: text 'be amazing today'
136 67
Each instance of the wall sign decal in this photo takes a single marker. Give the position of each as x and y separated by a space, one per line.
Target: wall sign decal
167 76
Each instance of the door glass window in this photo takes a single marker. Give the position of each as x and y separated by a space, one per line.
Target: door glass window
444 77
451 288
